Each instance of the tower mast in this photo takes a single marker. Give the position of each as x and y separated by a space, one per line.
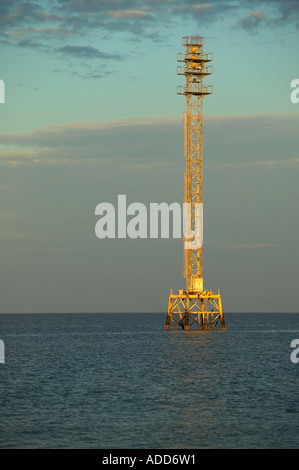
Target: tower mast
194 306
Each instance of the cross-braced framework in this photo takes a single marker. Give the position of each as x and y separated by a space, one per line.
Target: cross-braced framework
195 306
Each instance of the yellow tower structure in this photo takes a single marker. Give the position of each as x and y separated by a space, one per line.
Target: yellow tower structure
194 306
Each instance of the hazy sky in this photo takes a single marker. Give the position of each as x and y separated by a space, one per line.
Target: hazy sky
91 111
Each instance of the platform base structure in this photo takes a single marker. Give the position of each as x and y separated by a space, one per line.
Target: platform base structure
201 310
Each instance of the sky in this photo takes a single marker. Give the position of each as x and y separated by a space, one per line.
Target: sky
91 112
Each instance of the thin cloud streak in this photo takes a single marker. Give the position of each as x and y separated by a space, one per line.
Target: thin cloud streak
241 246
157 140
252 22
86 52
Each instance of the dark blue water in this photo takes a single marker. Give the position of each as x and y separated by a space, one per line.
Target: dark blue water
122 381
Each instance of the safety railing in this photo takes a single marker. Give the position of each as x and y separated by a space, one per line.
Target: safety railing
195 56
192 40
197 69
195 89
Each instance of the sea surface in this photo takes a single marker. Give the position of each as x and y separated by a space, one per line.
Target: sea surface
121 381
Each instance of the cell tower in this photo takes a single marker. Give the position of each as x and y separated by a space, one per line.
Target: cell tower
195 306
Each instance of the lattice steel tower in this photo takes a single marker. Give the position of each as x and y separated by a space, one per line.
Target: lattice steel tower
195 306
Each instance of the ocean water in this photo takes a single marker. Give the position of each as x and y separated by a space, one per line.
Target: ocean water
121 381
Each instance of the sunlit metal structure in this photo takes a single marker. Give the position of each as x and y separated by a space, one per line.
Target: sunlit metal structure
194 306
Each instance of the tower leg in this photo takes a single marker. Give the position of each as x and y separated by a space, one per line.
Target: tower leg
187 313
221 314
168 318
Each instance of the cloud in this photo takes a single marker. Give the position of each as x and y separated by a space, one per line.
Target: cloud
271 13
28 43
280 11
129 14
256 163
199 9
43 32
93 75
63 18
15 12
261 141
252 22
84 132
128 140
241 246
86 52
